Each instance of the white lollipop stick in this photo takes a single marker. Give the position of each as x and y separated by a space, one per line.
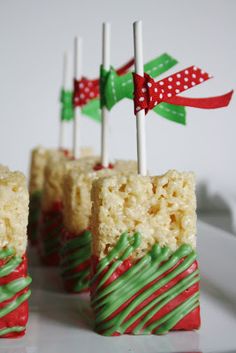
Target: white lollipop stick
77 76
106 30
140 116
67 85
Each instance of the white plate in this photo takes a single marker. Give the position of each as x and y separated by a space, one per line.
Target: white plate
61 323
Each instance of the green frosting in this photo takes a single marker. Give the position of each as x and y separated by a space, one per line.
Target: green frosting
10 289
106 300
10 265
75 252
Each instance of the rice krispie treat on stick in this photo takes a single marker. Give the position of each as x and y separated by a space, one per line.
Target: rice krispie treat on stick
145 276
51 225
76 240
39 157
14 279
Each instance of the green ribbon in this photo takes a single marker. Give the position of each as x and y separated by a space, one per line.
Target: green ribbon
67 109
114 88
92 110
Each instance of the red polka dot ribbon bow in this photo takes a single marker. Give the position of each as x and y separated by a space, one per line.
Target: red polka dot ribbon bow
85 89
148 93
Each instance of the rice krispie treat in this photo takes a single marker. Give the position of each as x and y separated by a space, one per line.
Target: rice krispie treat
76 241
39 158
14 279
51 225
145 277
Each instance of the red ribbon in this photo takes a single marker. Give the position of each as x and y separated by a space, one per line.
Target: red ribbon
148 93
85 89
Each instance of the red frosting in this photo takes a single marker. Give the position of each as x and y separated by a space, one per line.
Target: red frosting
99 166
19 316
189 322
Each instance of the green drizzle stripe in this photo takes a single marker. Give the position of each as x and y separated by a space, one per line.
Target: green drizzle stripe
76 254
184 310
107 300
5 331
15 303
83 257
6 252
78 241
10 289
10 265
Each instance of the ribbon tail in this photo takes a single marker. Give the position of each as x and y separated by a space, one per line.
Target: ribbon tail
202 103
160 65
92 110
125 68
171 112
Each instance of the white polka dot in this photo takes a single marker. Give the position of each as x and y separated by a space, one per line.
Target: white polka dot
82 95
194 68
144 90
155 89
150 98
86 89
186 79
185 87
161 83
201 79
91 94
138 108
81 85
155 103
177 91
141 99
178 83
169 95
186 72
170 79
160 95
170 87
193 76
149 84
202 72
193 83
178 75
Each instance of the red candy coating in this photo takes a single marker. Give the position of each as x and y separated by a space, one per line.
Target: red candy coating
19 316
190 322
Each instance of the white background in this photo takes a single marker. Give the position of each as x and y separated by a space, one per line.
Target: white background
33 36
